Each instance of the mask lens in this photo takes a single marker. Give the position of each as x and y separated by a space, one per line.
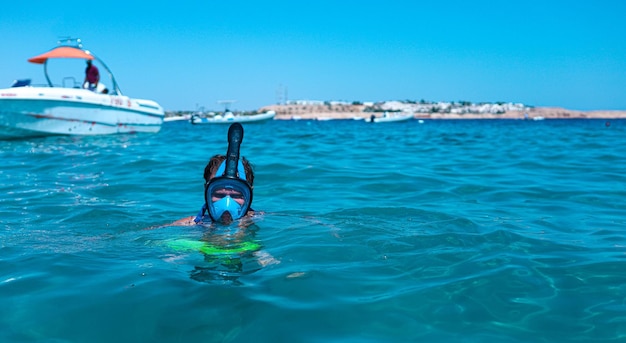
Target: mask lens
221 193
228 195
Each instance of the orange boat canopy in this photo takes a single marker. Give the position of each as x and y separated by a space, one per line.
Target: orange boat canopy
61 52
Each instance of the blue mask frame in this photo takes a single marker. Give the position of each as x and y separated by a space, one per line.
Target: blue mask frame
238 187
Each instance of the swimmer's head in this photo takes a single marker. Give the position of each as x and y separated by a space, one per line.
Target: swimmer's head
210 171
227 198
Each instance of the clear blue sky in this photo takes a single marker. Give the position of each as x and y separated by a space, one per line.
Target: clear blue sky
185 54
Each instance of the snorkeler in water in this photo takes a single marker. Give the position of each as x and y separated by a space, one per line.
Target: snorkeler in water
228 185
227 199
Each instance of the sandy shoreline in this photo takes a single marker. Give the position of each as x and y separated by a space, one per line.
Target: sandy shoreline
284 112
323 112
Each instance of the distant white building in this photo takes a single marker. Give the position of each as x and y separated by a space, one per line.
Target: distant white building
305 102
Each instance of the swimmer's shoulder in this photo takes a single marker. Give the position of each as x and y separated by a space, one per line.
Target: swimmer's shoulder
190 221
187 221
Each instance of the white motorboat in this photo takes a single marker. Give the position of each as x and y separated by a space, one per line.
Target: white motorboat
228 118
389 118
30 111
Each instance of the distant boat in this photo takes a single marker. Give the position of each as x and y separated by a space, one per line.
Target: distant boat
228 117
34 111
324 118
177 118
389 118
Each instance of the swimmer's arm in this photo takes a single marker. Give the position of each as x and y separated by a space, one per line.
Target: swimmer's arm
190 221
187 221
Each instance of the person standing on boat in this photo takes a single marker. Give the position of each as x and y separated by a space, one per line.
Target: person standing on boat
92 77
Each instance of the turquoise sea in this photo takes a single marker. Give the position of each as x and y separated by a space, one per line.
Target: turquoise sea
442 231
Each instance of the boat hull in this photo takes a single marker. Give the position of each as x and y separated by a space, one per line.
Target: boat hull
389 119
256 118
42 111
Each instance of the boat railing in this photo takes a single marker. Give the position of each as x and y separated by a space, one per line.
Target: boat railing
70 82
78 44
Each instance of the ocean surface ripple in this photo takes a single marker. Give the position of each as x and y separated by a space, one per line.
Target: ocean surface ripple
441 231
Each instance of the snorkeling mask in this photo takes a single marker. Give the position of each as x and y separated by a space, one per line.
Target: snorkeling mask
229 190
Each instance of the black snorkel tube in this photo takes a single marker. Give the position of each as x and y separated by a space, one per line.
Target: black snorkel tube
235 137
